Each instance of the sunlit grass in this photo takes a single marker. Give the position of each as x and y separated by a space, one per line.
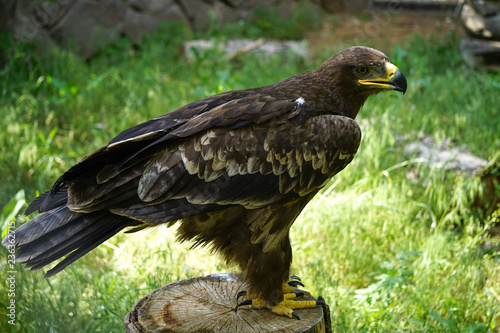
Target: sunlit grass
387 249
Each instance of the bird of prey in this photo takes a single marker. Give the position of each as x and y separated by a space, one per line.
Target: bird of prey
233 170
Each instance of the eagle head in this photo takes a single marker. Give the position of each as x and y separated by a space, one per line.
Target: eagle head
356 73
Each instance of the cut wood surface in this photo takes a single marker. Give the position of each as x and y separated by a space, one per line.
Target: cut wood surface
208 304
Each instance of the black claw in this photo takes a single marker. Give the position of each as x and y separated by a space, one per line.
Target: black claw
295 277
241 293
320 303
295 315
246 302
298 294
295 283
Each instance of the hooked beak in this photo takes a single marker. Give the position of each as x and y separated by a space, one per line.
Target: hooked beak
394 80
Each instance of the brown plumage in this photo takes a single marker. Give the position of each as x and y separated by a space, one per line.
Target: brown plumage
234 170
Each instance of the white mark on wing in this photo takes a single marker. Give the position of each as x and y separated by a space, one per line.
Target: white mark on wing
300 101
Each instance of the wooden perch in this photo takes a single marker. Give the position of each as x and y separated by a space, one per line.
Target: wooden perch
208 304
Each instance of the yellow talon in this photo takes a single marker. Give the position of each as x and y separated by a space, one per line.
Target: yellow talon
286 307
283 310
299 304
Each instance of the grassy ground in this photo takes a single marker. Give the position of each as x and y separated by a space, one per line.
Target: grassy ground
392 244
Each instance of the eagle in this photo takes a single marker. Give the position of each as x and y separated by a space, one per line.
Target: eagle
232 171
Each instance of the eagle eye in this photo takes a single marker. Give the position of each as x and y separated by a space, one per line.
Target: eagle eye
362 70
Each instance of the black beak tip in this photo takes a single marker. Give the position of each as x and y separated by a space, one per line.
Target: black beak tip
399 82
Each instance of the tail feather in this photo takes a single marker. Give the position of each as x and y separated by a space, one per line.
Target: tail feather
61 232
53 240
44 224
86 246
48 201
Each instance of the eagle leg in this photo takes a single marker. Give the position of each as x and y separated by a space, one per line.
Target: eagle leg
284 308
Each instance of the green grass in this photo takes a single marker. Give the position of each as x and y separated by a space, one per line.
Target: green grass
392 244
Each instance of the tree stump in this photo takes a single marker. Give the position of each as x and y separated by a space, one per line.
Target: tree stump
208 304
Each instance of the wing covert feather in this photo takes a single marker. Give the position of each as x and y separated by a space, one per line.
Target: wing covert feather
251 166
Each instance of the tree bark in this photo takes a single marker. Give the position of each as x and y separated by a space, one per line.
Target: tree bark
208 304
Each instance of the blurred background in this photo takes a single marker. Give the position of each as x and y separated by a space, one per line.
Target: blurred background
405 239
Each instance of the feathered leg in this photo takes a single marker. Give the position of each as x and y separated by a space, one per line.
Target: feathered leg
269 275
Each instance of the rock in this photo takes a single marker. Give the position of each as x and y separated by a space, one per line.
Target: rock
235 47
485 7
478 26
89 25
478 53
481 22
196 12
445 157
92 25
141 20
